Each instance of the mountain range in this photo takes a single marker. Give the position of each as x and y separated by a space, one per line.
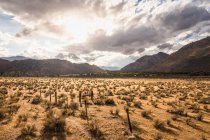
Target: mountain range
145 62
12 58
193 57
47 67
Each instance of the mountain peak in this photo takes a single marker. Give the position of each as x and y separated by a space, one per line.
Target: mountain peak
45 67
13 58
145 62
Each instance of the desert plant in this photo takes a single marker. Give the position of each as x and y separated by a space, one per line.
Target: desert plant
95 131
158 137
21 119
110 101
28 132
115 113
138 104
200 117
36 100
54 126
147 114
74 107
159 125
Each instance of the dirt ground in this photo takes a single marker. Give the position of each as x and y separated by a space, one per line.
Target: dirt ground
94 108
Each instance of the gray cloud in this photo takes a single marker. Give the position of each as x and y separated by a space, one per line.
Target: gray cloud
165 45
134 37
38 9
25 32
46 26
184 18
69 56
117 8
157 30
127 42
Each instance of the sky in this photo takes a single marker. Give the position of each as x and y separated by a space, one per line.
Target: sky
106 33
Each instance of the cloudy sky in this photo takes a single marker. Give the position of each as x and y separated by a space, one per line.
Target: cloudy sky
110 33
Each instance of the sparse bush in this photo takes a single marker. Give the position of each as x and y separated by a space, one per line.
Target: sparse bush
83 114
74 106
27 132
2 113
95 131
158 137
159 125
3 91
36 100
21 120
99 102
110 101
138 104
200 117
115 113
147 114
54 126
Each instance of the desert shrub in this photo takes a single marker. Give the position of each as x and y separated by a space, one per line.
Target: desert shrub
200 117
99 102
205 100
13 99
110 93
204 138
115 113
143 97
159 125
3 91
74 106
19 94
54 125
2 113
28 132
147 114
178 111
95 131
127 98
36 100
12 109
21 120
175 117
110 101
138 104
158 137
83 114
195 107
192 124
154 103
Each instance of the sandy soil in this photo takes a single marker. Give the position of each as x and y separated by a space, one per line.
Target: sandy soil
166 109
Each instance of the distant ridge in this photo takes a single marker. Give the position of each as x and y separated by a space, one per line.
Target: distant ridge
47 67
145 62
193 57
13 58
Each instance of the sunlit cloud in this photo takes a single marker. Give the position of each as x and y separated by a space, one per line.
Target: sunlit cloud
98 31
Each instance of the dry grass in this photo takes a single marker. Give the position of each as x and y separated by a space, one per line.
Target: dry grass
78 108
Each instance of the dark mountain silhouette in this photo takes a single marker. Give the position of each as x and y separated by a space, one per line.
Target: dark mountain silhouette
145 62
12 58
48 67
194 57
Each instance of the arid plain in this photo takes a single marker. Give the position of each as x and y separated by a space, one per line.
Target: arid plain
89 108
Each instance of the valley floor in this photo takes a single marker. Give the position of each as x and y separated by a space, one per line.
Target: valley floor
55 108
